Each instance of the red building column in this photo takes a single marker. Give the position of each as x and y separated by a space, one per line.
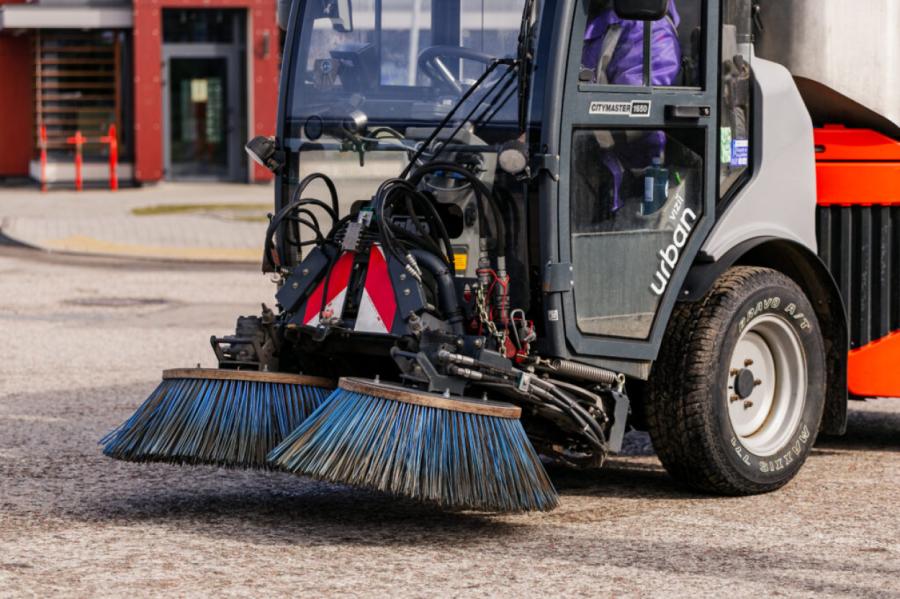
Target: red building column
17 126
262 92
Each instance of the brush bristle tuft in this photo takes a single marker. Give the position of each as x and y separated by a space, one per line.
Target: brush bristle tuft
232 423
452 458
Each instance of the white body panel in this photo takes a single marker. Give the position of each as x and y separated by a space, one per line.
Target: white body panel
780 199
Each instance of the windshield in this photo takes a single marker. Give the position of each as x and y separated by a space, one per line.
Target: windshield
400 61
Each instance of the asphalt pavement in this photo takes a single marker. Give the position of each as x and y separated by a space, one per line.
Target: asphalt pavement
82 343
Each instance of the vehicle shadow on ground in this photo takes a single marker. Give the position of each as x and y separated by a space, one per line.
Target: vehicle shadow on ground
303 513
621 477
280 509
867 430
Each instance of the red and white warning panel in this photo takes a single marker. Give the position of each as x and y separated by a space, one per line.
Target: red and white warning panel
333 306
378 306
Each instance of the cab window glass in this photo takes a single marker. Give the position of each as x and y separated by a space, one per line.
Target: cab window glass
613 51
734 130
396 59
487 27
637 197
406 31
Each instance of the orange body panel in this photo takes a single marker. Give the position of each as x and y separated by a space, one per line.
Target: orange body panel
835 143
874 370
858 183
856 167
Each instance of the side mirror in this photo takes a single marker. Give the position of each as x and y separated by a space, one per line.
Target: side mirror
642 10
264 151
341 14
284 13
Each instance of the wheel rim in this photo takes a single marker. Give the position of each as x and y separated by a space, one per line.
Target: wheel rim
766 389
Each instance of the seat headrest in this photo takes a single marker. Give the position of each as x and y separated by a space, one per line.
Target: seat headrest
598 5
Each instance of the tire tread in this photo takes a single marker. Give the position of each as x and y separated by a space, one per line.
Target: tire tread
680 424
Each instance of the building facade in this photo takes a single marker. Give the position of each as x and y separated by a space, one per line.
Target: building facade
184 82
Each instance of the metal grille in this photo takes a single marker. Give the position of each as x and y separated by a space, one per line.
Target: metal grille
861 247
77 87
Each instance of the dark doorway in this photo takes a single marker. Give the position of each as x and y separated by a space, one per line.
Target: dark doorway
204 94
197 117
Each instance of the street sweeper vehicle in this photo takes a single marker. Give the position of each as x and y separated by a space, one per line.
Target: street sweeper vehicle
505 232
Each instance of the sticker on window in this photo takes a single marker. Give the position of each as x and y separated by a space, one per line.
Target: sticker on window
740 152
725 145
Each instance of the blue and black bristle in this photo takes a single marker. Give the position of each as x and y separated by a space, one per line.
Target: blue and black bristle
455 453
217 417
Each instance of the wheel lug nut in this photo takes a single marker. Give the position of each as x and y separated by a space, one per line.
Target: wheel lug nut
757 383
734 398
748 404
748 362
735 372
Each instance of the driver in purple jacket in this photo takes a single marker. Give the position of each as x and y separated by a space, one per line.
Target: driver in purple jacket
614 54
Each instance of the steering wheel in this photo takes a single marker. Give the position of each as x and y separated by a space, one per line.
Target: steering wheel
431 64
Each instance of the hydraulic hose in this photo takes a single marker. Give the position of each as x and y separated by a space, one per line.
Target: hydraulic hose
486 200
446 287
273 258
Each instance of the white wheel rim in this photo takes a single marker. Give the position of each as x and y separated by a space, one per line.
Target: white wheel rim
765 414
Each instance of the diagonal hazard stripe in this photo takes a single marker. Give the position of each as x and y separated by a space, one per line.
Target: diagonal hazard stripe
338 282
379 306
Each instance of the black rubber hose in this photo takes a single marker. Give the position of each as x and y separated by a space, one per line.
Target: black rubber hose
275 224
269 254
446 287
401 190
332 190
482 193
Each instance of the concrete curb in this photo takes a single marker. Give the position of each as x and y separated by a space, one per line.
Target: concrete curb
173 256
76 243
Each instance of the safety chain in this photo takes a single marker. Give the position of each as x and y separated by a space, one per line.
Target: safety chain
485 317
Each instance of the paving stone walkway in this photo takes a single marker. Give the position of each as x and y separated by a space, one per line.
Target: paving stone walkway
231 229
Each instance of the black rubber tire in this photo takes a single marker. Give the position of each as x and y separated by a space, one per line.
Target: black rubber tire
686 400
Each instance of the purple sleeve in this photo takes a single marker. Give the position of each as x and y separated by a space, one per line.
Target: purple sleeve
590 54
666 56
626 66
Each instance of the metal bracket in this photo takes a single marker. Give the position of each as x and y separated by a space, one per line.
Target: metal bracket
302 280
226 362
558 277
620 418
687 112
545 163
418 368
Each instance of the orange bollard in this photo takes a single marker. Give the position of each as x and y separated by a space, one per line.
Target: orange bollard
43 142
78 139
113 157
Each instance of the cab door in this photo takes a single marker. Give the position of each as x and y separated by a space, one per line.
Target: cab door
637 147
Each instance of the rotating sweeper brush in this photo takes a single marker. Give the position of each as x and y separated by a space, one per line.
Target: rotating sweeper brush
218 417
458 453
